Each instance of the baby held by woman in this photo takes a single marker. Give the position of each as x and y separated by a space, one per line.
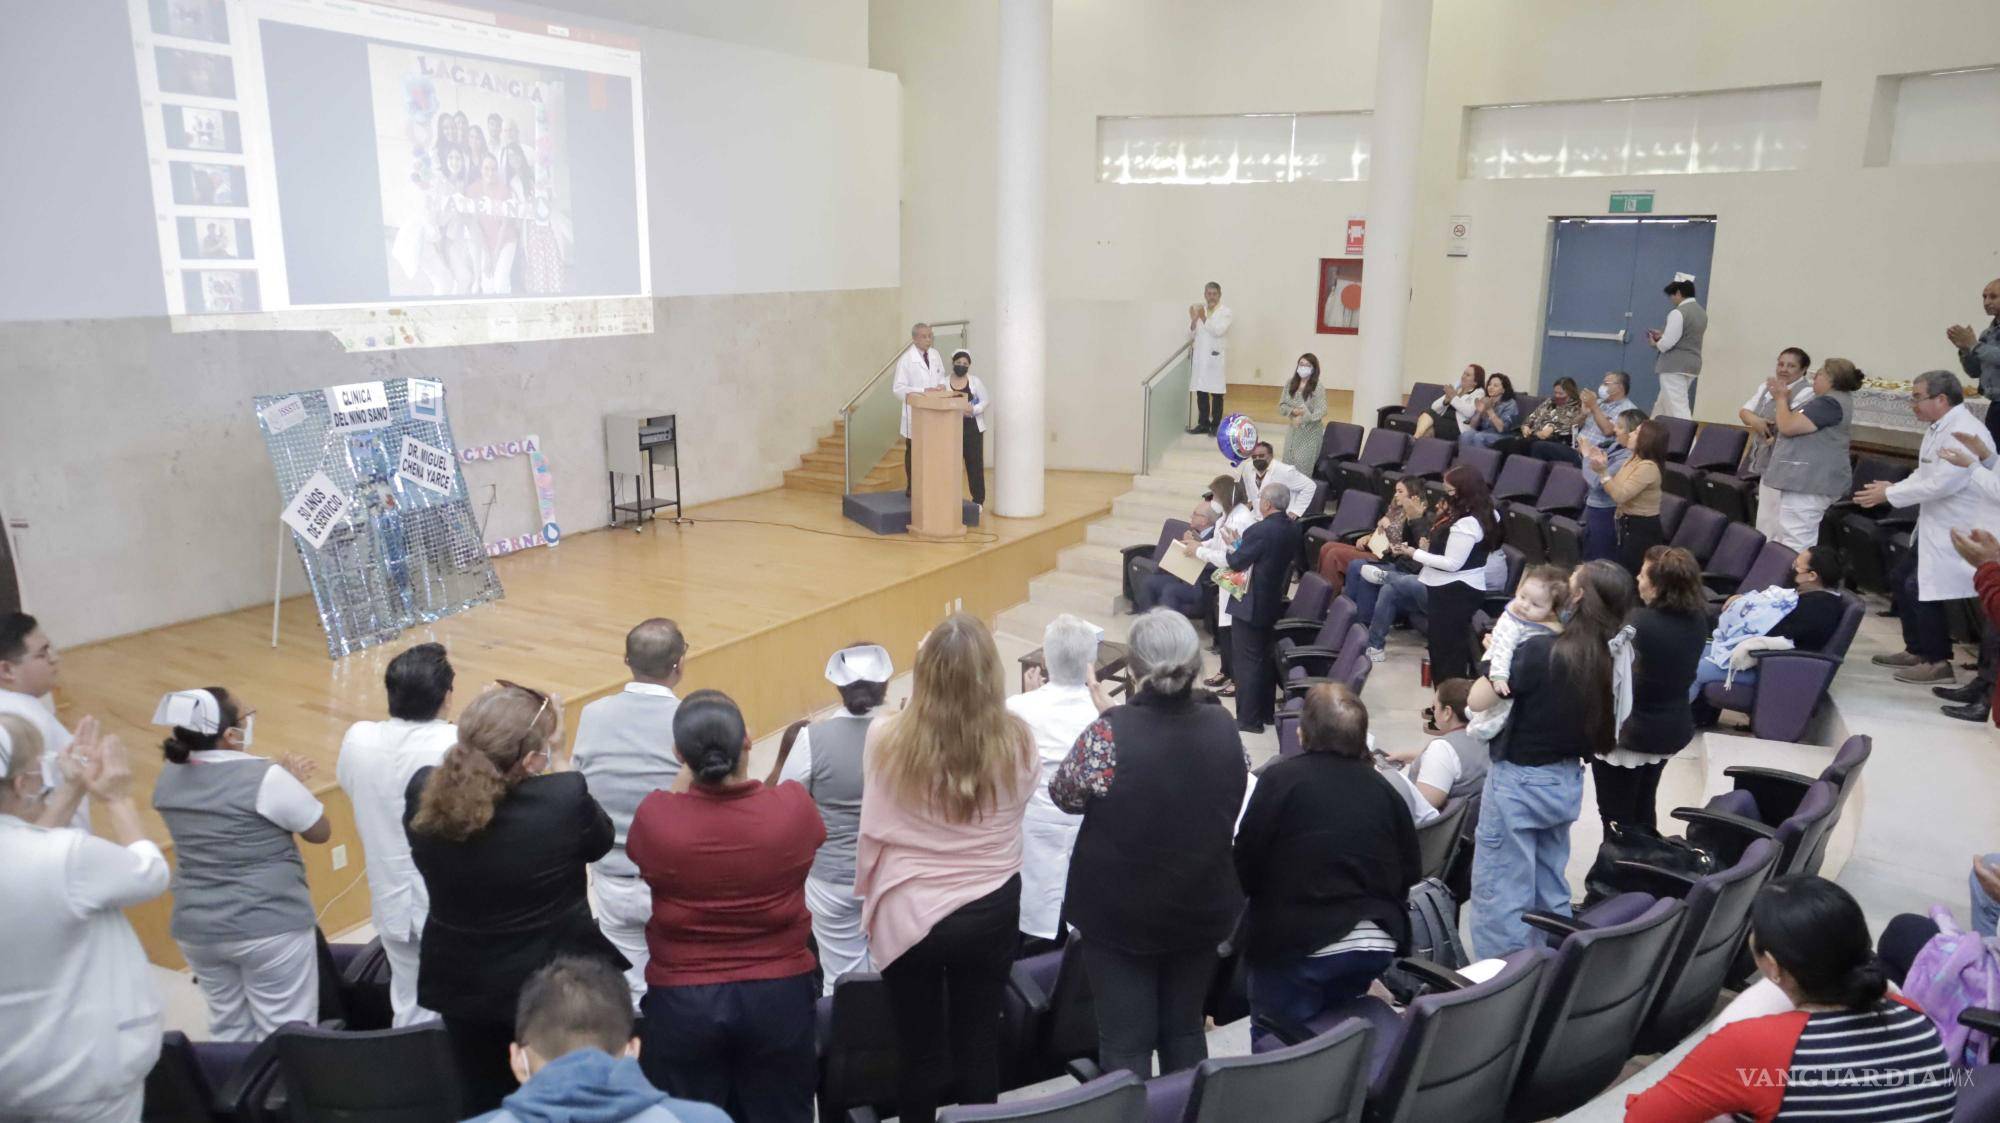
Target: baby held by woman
1532 612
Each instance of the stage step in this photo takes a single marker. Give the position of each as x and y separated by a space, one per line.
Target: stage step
1092 561
1120 533
1185 485
1151 506
1090 597
1028 622
1207 460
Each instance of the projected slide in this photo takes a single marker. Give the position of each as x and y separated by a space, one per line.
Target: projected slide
401 173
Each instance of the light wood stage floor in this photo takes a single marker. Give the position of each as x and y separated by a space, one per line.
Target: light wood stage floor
762 603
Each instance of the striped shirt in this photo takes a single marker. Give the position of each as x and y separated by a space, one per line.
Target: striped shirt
1885 1065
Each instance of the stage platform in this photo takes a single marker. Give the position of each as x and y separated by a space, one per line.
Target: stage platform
764 585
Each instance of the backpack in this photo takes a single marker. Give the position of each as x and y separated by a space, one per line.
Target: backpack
1955 971
1433 936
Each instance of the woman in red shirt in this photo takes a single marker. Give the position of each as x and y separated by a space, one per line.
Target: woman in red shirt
1845 1051
730 987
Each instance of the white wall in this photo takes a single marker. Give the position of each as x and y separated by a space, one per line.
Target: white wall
1871 263
832 30
132 453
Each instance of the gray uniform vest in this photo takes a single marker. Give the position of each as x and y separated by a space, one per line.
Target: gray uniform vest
1473 761
625 750
835 783
1816 464
237 875
1759 459
1685 355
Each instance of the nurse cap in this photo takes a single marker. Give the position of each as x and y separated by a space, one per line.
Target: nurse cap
962 351
190 709
865 663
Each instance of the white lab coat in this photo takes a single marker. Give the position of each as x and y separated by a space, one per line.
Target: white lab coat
1946 499
1057 715
1211 351
979 399
1214 552
916 372
1279 472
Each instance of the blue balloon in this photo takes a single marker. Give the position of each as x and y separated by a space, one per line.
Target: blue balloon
1236 435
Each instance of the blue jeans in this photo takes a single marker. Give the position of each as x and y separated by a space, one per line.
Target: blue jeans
1985 910
1600 533
1522 850
1400 594
1481 438
1291 991
1164 590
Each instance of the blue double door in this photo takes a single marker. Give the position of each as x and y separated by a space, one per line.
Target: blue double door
1605 277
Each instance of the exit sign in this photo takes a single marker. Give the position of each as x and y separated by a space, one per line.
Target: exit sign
1631 202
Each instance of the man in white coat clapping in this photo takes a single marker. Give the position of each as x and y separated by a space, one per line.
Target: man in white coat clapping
1944 497
1209 322
918 369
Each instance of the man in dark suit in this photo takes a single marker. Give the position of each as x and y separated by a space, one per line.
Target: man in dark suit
1266 550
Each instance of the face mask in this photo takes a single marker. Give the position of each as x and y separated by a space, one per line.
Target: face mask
1604 390
959 368
1261 463
1305 372
249 728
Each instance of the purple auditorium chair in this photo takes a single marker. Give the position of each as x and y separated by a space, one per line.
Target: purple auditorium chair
1979 1096
1563 493
1438 840
1117 1098
1315 510
1801 837
1599 989
1403 418
1520 479
1790 684
208 1081
1320 1080
1731 559
1772 795
1310 599
1051 1018
1485 461
1700 530
1311 646
1773 566
1287 725
1717 448
1342 441
1562 539
1142 561
1864 534
1451 1055
1672 509
1428 459
1714 929
1384 449
1680 437
1678 480
1735 496
1353 517
1344 667
1527 404
374 1074
860 1071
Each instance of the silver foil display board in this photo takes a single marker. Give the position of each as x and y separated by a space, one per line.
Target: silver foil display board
377 507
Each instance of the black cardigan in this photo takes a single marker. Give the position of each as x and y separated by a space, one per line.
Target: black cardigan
1325 844
510 898
1666 652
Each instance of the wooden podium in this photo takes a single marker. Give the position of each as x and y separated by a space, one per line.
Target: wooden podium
937 464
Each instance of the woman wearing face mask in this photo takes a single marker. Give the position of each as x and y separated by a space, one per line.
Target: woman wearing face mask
963 381
242 914
1496 416
1453 409
1304 405
1761 410
1339 560
503 845
1554 420
1238 512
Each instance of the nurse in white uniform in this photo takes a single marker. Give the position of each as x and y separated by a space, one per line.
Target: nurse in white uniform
1208 323
1061 705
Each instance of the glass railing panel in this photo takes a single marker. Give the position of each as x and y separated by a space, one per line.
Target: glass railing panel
1167 406
875 421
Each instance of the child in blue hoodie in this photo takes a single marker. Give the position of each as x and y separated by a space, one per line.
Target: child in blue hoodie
575 1054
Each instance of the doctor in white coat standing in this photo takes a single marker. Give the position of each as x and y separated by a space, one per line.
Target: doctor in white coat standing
1945 497
919 368
1209 322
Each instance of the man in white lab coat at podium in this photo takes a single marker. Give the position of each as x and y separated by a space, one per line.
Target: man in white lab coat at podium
919 369
1209 323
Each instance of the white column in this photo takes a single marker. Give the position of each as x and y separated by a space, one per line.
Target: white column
1401 59
1020 295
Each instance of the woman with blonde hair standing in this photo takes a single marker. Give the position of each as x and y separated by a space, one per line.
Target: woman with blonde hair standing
503 845
945 785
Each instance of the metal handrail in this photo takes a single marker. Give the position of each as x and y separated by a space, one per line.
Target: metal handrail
1146 412
847 410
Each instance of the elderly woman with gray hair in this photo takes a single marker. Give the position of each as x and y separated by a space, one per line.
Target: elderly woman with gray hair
1152 883
1059 705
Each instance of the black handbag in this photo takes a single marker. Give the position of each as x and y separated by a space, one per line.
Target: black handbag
1633 844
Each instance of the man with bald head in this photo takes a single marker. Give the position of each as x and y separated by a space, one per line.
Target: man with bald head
625 750
1979 355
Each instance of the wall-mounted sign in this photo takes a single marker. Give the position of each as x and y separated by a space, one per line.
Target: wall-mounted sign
1631 202
1357 235
1458 236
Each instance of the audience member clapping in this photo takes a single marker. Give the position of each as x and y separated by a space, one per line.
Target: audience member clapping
30 670
243 915
1059 705
1327 854
502 844
1152 890
730 987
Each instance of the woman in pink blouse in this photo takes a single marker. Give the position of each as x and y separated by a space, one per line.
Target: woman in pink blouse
946 783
